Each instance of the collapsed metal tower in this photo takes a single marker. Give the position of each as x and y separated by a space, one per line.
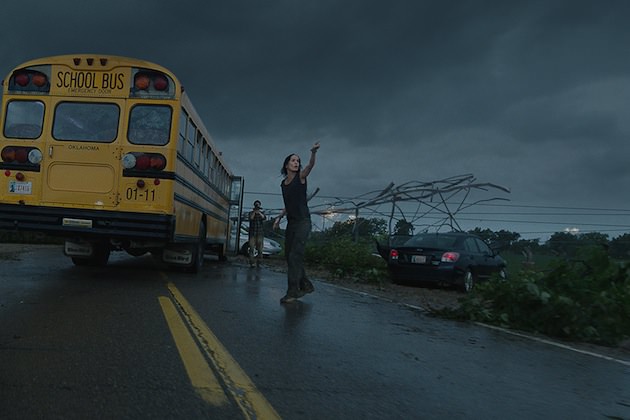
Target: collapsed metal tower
443 198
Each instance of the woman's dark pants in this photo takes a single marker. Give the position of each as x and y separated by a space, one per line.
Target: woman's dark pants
296 234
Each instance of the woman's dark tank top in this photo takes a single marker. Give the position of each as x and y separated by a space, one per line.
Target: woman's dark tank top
294 196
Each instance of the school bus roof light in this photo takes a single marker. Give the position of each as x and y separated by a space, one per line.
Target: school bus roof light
160 83
39 79
151 81
21 79
30 80
141 81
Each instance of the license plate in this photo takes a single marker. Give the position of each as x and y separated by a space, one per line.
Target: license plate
17 187
419 259
76 222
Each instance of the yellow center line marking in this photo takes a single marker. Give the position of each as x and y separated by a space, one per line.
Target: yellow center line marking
251 401
201 376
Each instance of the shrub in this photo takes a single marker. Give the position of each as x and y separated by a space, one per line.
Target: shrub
586 299
344 258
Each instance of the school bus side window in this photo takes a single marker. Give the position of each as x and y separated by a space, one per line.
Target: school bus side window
191 135
24 119
183 121
150 124
86 121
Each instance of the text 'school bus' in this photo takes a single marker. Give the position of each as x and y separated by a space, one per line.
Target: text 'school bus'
110 154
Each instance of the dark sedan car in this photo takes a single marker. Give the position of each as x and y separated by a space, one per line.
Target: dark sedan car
455 259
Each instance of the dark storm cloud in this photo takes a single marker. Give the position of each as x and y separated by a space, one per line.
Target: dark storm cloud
531 95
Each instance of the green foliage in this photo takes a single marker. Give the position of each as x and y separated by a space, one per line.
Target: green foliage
586 299
345 258
357 228
620 246
403 227
567 244
502 237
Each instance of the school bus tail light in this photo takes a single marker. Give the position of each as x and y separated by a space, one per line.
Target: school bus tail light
21 155
144 161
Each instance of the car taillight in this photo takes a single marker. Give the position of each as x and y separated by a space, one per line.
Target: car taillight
393 254
450 257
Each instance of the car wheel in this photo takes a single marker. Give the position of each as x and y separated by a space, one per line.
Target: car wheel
468 281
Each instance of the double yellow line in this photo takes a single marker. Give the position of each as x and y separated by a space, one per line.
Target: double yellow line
184 323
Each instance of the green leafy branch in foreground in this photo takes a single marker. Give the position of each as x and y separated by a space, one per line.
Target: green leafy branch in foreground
585 299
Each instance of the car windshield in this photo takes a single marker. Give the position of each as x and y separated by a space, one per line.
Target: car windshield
428 240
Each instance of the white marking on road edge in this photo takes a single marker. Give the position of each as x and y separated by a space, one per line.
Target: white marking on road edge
492 327
556 344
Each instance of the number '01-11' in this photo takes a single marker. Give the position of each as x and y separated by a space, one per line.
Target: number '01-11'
132 194
89 80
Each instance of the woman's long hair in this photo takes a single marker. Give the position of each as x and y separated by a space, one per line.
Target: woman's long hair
283 171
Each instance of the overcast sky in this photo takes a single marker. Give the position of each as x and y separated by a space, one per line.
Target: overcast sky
530 95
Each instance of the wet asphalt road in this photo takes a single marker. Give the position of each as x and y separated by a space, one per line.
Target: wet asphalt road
79 342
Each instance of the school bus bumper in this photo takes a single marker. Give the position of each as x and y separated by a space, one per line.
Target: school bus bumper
87 223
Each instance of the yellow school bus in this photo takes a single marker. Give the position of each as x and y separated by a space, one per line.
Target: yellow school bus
109 153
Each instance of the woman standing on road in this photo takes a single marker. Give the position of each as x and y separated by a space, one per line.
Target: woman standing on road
298 223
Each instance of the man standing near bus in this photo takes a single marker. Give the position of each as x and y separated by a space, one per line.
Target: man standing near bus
256 234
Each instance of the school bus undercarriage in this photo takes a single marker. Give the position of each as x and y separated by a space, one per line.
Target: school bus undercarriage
90 235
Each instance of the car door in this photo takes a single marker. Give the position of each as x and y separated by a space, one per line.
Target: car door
488 262
474 257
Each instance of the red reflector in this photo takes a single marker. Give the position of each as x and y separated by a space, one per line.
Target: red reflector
156 181
21 79
140 183
19 176
7 173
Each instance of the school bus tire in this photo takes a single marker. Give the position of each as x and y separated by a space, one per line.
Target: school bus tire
198 251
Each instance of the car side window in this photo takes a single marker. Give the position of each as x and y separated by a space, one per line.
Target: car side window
471 245
483 247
